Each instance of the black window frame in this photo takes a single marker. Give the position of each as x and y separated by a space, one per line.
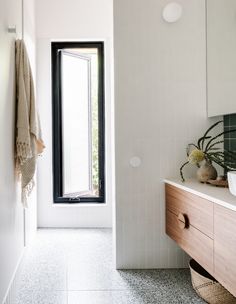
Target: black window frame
57 152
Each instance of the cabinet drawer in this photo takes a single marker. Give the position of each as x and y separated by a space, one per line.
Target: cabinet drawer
195 243
198 210
225 247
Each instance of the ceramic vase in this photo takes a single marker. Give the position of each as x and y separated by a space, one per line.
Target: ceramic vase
206 171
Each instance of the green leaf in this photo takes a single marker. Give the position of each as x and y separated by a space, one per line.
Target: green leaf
215 149
202 139
193 145
207 131
221 163
181 171
217 153
216 143
218 162
222 133
188 148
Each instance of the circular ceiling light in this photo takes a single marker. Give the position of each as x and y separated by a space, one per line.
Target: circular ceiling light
172 12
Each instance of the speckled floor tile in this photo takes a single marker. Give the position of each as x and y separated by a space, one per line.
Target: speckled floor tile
42 297
95 278
43 276
79 261
50 252
128 297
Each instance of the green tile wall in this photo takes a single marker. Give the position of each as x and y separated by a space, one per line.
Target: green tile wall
230 139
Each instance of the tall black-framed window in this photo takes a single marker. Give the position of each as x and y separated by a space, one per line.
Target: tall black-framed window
78 122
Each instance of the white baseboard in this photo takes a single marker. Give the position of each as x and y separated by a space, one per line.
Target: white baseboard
10 296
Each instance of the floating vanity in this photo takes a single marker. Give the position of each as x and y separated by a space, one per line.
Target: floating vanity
202 220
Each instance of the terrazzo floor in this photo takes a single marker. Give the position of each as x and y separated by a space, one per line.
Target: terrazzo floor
74 266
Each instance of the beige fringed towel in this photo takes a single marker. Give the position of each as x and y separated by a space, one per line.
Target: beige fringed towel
28 132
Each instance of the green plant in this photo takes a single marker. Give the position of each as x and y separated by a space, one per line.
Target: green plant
207 148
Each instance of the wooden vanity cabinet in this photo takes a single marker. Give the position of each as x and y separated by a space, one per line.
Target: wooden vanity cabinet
206 231
225 247
189 222
199 212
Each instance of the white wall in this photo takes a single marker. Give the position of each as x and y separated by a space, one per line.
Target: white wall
11 211
160 106
30 41
71 20
221 59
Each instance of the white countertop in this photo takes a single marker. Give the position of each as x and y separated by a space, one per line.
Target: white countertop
220 196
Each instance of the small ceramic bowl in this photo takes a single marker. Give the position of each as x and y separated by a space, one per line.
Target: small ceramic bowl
232 182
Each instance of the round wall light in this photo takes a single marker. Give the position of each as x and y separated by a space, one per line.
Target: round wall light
135 161
172 12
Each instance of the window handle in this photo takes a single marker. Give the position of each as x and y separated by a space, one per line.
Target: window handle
73 199
100 184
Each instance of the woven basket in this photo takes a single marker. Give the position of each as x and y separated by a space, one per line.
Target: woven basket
207 287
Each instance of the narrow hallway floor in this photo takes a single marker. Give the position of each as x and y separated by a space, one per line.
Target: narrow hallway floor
74 266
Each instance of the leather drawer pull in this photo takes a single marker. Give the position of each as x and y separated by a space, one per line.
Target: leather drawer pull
183 221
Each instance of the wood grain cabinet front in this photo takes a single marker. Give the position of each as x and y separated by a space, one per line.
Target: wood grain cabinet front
198 245
189 222
225 247
199 211
206 231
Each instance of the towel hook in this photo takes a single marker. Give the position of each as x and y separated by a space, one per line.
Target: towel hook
11 29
